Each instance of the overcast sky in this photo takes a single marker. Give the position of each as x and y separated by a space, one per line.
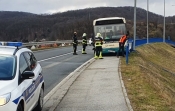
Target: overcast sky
52 6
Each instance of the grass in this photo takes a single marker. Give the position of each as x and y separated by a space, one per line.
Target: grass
149 77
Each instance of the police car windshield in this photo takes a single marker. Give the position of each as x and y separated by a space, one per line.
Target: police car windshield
7 67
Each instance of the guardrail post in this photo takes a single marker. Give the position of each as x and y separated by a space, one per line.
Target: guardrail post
127 51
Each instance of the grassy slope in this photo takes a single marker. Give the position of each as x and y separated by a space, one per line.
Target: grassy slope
150 77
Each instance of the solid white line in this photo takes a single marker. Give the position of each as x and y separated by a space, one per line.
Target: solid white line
51 65
57 56
56 63
54 57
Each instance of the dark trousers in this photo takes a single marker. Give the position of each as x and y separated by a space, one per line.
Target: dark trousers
98 49
121 47
84 47
75 48
93 47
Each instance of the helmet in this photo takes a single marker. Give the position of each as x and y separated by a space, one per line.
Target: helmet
84 34
75 32
98 35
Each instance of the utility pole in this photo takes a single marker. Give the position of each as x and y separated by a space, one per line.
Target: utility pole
164 24
134 24
147 20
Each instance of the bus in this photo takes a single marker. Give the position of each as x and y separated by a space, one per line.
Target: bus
111 29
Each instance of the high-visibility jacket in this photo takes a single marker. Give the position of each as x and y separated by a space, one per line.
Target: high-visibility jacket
98 41
84 41
123 39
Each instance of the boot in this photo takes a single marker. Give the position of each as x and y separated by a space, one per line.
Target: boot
96 57
83 52
100 56
75 54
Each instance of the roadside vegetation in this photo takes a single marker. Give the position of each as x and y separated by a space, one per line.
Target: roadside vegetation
149 77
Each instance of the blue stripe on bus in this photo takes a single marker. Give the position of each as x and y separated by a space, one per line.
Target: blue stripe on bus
27 94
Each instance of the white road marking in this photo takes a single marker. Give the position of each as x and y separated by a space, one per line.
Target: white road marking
56 63
51 65
57 56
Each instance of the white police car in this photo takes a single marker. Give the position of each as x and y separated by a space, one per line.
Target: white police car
21 80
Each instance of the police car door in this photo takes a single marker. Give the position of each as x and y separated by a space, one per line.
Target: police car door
35 88
25 84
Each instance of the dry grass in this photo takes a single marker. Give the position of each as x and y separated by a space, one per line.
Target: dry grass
149 77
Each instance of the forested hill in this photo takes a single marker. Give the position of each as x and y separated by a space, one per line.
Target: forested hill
12 15
27 26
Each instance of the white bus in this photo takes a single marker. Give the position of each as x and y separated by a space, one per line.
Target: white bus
111 29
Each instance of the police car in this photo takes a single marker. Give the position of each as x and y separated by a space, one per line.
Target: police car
21 79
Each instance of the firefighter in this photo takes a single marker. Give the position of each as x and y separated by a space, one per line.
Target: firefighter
75 43
84 43
98 46
122 43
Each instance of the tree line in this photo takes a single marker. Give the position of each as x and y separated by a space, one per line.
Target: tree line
22 26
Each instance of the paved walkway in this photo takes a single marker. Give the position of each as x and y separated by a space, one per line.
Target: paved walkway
98 87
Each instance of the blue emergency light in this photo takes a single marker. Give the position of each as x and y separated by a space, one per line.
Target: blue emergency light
16 44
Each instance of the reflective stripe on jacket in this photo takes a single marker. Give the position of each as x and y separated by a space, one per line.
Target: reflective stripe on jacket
84 40
98 41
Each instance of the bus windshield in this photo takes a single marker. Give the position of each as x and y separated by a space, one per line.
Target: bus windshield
111 32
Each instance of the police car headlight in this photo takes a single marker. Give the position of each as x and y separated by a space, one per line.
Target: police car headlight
4 99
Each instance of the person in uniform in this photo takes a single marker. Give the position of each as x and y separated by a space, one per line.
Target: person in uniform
98 46
84 43
122 43
75 43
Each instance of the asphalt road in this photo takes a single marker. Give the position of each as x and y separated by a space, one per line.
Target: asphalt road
59 63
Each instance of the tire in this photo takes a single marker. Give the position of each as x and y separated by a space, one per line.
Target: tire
19 108
40 100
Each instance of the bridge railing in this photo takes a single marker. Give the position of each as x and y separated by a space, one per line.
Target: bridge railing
138 42
47 44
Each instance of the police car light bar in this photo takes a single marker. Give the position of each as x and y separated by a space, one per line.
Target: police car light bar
16 44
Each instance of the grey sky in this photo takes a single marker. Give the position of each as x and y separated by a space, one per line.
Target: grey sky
52 6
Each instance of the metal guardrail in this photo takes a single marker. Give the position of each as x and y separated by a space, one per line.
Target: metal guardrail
45 42
49 42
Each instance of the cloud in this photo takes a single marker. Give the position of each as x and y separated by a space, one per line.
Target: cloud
53 6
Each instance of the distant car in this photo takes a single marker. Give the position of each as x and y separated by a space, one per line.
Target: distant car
21 79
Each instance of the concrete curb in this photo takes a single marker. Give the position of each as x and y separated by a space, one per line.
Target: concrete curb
124 89
53 98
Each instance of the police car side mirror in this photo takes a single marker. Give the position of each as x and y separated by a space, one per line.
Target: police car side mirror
27 75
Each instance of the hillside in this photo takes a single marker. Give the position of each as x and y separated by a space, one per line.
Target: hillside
150 78
26 26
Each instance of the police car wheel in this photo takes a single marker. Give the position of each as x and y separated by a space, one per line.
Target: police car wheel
40 100
19 108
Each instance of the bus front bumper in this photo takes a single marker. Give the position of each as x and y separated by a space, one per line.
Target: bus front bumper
109 50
